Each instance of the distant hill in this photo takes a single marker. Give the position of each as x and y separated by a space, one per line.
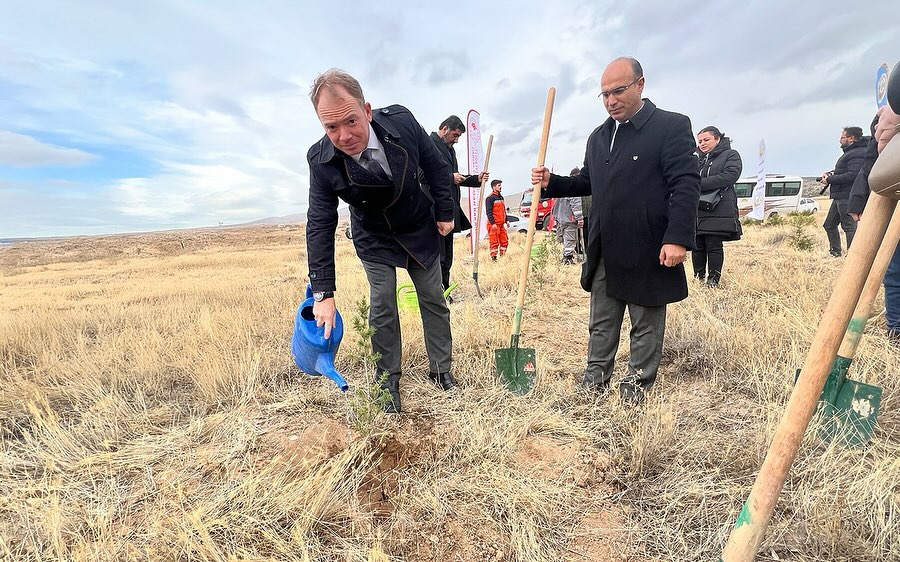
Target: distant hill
512 201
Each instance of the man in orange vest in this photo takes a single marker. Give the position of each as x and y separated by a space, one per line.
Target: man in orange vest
495 207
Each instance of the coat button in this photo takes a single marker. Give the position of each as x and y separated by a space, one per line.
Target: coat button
385 110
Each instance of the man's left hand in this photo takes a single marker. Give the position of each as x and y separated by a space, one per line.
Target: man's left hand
445 227
458 178
672 254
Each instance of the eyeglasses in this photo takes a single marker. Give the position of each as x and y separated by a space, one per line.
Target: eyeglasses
618 91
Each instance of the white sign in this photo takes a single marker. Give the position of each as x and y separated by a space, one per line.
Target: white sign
759 190
476 162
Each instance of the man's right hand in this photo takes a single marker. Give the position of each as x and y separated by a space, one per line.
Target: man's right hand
854 216
540 175
888 125
325 313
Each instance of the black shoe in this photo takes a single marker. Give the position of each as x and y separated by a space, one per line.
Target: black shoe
700 275
835 253
449 299
568 260
392 385
712 283
493 258
601 388
443 380
631 394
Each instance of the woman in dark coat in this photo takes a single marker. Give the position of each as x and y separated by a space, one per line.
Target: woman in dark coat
720 168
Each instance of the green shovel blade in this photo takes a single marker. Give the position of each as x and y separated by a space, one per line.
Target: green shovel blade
516 367
850 420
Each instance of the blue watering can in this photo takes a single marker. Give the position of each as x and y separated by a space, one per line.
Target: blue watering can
313 354
408 300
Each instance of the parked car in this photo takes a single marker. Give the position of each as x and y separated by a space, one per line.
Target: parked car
808 205
516 224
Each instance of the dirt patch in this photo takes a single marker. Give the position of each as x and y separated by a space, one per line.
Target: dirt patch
397 455
600 537
320 440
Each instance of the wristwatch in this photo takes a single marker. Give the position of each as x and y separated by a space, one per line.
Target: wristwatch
319 296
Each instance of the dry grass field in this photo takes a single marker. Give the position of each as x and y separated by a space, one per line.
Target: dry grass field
151 411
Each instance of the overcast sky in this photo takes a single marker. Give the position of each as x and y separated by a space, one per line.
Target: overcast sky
130 116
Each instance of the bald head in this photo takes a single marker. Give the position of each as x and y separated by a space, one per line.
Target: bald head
621 86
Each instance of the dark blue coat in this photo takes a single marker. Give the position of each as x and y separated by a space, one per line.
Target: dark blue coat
391 224
645 194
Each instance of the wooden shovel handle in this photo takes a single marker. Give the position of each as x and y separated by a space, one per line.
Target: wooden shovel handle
476 228
532 219
750 527
873 284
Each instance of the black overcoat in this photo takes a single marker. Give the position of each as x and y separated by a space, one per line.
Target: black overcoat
460 219
645 194
391 224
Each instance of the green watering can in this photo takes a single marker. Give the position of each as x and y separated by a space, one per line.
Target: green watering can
408 300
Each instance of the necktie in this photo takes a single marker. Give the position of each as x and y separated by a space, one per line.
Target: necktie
367 161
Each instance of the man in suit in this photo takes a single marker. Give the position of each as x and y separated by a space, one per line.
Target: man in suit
640 169
370 159
446 136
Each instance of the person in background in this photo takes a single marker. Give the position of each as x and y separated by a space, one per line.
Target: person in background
884 127
720 168
495 211
446 136
568 218
839 181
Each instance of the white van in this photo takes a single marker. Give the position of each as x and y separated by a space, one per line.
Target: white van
783 194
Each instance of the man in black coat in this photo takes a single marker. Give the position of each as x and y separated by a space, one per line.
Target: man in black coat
641 171
840 180
371 160
446 136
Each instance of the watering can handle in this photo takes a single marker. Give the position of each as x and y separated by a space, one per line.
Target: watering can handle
308 291
450 289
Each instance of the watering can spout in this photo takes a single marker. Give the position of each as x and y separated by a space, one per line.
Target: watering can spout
325 366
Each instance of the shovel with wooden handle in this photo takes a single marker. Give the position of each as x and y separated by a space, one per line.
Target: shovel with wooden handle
516 365
751 523
476 228
848 409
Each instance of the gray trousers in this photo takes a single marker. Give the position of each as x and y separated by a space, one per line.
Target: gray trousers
837 215
567 234
648 326
384 315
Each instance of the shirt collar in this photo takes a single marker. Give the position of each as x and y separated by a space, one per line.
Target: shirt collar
374 144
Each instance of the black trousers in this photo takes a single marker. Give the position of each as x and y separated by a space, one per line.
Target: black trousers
710 252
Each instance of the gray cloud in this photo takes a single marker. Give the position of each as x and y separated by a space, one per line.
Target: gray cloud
435 68
24 151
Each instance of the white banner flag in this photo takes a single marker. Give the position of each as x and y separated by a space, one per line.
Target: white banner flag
476 162
759 190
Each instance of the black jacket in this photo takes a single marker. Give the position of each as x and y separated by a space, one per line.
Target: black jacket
645 194
859 193
461 221
391 224
719 170
846 169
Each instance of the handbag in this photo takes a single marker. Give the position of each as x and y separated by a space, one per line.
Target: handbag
710 199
